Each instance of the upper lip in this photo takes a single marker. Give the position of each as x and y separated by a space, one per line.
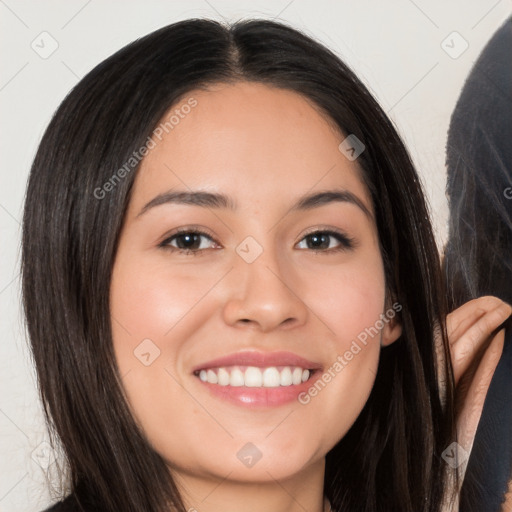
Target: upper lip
259 359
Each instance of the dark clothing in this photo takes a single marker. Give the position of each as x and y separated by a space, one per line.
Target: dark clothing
74 504
67 505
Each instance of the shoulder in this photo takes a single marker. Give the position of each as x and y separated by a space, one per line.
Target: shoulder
69 504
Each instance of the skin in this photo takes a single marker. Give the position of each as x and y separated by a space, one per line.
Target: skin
264 147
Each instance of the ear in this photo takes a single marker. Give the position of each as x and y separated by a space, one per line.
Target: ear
392 329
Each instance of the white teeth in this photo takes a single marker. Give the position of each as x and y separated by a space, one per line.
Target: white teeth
286 377
297 376
255 377
237 378
212 376
223 377
271 377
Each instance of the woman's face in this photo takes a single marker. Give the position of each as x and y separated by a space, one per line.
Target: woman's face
258 290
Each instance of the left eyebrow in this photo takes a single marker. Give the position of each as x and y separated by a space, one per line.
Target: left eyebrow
218 201
315 200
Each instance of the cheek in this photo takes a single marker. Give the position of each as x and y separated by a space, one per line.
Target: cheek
150 301
150 306
152 310
350 302
347 298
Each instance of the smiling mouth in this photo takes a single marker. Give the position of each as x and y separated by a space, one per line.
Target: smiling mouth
255 377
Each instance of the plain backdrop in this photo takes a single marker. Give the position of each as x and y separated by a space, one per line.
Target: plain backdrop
413 55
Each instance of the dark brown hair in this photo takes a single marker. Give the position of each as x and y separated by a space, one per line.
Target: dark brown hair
390 460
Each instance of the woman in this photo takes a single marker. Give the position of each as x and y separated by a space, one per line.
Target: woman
263 368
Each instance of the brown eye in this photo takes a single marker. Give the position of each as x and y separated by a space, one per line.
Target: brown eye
320 241
187 241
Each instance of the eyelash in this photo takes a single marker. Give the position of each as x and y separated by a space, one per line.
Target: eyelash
346 243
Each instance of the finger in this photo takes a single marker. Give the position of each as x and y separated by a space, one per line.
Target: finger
465 349
473 391
461 319
506 506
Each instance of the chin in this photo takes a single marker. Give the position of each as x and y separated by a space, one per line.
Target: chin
258 461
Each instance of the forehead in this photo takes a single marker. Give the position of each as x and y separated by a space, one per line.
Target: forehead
254 142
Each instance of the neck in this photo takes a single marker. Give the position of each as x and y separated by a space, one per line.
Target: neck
302 491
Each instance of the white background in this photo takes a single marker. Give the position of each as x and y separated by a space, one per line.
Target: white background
394 46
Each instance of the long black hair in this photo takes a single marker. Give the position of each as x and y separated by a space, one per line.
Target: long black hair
390 460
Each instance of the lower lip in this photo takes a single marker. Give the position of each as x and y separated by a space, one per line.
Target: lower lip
260 397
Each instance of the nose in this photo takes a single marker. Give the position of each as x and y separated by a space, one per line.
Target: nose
265 294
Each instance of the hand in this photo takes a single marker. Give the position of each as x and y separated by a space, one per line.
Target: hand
476 347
